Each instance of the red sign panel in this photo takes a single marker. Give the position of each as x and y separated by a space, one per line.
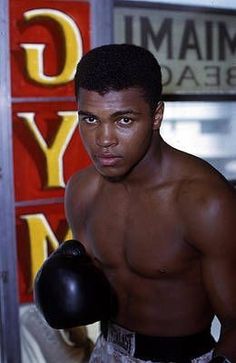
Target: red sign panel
47 40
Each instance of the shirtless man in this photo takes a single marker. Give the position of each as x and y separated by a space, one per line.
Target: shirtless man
159 222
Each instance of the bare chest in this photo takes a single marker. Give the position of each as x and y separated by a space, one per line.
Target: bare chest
142 234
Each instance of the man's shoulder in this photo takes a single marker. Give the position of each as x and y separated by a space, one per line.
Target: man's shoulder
80 193
203 192
198 183
83 184
85 178
206 208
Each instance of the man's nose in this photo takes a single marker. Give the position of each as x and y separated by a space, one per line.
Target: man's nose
106 136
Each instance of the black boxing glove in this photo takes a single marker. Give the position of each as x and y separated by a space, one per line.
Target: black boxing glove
70 290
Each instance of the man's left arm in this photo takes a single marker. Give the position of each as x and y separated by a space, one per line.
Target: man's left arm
213 232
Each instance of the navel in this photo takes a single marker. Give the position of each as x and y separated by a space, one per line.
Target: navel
163 270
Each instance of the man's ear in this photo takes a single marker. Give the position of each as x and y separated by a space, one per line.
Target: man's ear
158 115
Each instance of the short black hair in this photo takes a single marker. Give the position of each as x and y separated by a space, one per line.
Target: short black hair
117 67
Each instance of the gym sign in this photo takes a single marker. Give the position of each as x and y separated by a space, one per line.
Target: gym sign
47 39
196 47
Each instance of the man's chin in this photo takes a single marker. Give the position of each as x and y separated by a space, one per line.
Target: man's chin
111 174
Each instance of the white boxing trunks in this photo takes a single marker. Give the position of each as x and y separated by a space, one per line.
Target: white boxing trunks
119 345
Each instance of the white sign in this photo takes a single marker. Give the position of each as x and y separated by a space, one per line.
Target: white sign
196 47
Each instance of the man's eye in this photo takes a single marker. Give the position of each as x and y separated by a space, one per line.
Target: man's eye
125 121
89 119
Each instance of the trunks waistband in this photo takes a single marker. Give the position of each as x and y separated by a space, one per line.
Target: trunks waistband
165 349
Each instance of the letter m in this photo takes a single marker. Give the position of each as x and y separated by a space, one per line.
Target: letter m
223 38
42 241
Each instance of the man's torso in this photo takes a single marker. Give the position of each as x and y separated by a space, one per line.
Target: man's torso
137 236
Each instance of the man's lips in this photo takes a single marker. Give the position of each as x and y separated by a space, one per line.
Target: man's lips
108 159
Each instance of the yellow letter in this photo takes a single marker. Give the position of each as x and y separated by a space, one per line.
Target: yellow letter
53 153
42 239
73 48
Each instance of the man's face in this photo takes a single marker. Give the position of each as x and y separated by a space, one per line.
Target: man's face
116 129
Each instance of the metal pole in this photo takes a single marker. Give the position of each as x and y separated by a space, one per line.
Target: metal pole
9 320
102 22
